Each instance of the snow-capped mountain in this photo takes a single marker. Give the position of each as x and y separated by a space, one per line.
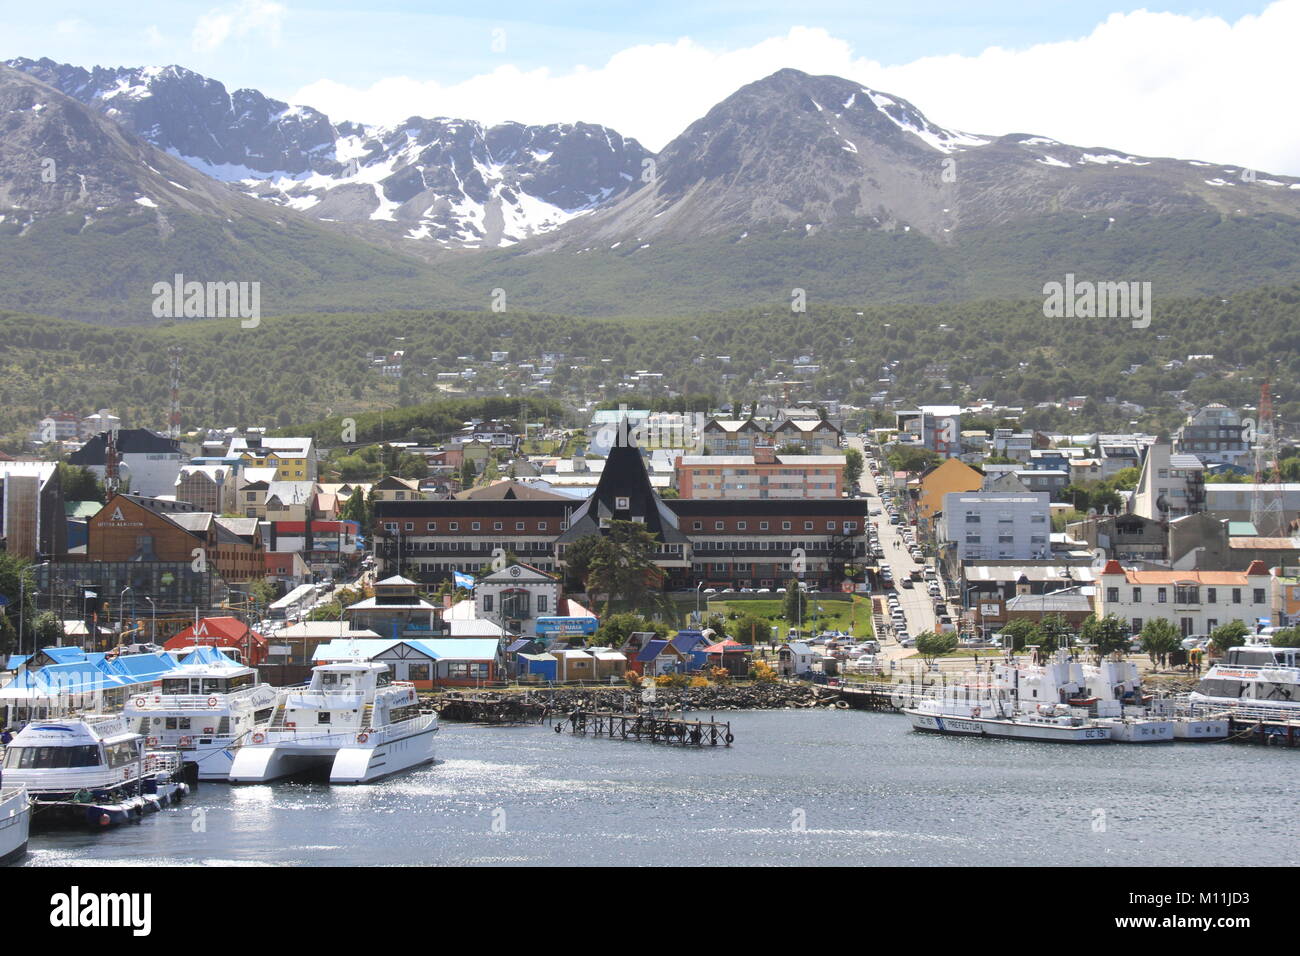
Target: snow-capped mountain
452 182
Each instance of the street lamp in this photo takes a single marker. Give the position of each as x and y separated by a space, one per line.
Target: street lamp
121 613
699 619
153 625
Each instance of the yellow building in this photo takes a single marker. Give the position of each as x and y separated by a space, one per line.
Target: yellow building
294 459
952 475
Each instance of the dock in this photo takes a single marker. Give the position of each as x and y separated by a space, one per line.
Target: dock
655 728
878 697
487 709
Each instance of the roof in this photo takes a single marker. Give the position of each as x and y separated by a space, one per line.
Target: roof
508 490
1064 600
1265 544
130 441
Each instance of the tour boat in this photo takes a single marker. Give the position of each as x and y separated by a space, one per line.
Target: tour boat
15 821
350 719
203 710
1259 682
92 770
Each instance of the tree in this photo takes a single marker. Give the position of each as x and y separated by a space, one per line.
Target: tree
1022 632
47 629
356 509
796 603
615 629
467 474
1287 637
14 571
1054 631
1231 634
1160 639
853 463
931 645
1107 634
80 483
623 562
750 629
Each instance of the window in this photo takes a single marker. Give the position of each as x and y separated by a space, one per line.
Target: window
519 526
785 526
697 526
1259 595
453 525
1137 595
541 526
741 525
762 526
541 604
409 525
1162 595
972 518
1211 595
718 525
972 539
830 526
497 526
807 525
1187 594
622 504
487 603
474 526
1112 595
323 716
1137 625
1236 595
431 526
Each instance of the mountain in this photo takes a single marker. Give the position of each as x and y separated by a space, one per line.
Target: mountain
91 217
813 152
451 182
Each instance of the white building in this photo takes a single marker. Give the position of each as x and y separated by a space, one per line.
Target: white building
1170 485
1196 602
993 526
148 463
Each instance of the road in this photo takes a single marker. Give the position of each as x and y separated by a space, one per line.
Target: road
915 601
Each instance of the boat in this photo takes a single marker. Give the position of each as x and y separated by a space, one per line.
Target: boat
15 822
1113 690
1056 723
1017 702
351 718
1259 682
202 710
90 770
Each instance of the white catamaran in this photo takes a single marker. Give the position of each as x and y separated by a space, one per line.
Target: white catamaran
204 710
15 822
350 719
1262 682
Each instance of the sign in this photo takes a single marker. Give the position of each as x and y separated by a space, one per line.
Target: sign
278 650
566 625
847 586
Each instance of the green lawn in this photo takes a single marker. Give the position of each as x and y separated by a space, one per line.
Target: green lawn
834 616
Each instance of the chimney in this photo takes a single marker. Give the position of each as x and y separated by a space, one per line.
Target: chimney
764 454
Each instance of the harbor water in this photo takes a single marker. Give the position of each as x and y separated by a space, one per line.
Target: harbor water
797 788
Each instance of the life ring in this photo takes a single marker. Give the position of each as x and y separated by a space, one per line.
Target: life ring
152 741
212 702
974 711
209 730
559 729
728 738
292 725
362 737
186 741
259 738
140 702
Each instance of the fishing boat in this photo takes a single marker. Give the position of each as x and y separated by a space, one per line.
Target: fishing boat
202 710
90 770
15 822
351 719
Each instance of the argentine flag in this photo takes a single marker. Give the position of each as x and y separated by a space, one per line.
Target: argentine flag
462 580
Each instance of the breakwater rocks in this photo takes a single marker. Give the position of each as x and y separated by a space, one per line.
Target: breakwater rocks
532 706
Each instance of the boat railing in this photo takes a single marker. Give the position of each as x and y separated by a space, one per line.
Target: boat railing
1212 709
331 738
179 702
158 760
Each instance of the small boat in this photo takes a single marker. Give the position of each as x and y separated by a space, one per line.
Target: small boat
15 822
1118 702
90 770
202 710
351 719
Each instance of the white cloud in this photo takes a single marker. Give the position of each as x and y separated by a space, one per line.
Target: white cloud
1152 83
218 25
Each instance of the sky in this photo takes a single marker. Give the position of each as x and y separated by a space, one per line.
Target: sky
1215 80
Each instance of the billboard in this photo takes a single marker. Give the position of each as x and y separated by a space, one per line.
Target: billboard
566 625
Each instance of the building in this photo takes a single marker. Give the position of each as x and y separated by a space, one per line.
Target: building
207 487
996 527
763 474
224 632
396 610
1170 485
943 479
33 519
57 426
149 463
294 459
516 596
935 427
1215 434
759 542
1196 602
1130 539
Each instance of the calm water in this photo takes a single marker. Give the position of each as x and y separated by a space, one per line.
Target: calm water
867 789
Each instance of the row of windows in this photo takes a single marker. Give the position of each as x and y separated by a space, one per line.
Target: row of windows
849 526
1186 594
473 526
1008 539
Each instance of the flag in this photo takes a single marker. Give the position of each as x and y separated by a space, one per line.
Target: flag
462 580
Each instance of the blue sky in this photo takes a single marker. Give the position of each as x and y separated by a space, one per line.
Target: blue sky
1182 79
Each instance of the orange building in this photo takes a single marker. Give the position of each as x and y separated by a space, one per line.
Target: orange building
763 474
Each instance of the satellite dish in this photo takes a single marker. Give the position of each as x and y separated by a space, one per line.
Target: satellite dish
1092 512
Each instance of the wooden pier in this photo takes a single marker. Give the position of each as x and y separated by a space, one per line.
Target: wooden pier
878 697
656 728
1269 732
485 709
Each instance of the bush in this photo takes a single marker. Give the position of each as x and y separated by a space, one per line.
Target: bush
762 672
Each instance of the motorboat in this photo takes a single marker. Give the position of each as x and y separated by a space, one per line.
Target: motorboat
202 710
15 822
90 770
350 719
